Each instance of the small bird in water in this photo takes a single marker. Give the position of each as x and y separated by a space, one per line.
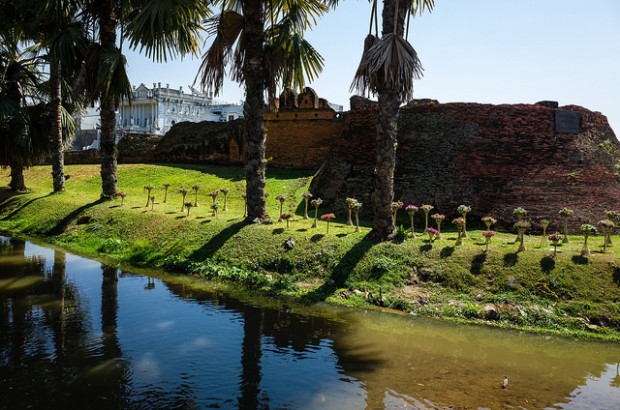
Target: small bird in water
505 382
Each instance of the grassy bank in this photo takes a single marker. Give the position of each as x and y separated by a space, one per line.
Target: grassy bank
568 294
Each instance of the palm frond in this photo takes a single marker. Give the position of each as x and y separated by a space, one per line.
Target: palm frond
390 64
112 77
168 28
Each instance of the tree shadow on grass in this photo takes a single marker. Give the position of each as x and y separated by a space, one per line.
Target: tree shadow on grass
64 222
616 275
316 237
24 205
215 243
426 247
477 263
446 252
341 272
580 260
277 231
511 259
547 264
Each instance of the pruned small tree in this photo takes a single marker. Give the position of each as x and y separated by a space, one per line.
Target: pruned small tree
307 195
148 189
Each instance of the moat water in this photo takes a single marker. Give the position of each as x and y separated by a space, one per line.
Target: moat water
76 334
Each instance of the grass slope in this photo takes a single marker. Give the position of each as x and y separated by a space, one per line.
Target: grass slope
569 294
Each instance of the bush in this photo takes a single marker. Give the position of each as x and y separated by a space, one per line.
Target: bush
111 245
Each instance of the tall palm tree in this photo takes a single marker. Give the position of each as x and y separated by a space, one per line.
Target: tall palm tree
20 105
162 29
387 68
262 42
63 34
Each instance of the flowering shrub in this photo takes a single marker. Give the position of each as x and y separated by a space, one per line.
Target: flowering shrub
316 203
224 192
351 204
214 207
427 209
188 206
463 210
438 218
282 199
487 236
166 186
120 195
307 195
148 189
521 226
488 221
327 217
555 237
459 223
519 213
606 226
395 206
587 230
195 188
214 194
183 192
411 210
566 214
287 217
432 233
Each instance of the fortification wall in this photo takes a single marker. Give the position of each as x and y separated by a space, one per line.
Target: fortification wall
492 157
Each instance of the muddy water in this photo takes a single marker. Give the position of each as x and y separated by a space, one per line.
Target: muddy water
77 334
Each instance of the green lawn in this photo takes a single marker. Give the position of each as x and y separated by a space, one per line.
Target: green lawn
568 294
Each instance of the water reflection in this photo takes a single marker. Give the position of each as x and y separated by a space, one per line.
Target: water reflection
74 332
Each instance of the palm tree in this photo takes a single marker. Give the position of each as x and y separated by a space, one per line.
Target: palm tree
21 107
387 68
262 41
63 34
161 29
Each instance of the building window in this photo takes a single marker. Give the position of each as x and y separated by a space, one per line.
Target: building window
231 118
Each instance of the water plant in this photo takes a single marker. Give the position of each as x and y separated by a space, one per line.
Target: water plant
281 198
307 195
463 210
488 234
148 189
566 214
224 192
316 203
183 192
166 186
427 209
587 230
411 210
327 217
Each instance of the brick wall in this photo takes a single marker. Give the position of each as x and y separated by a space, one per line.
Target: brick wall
492 157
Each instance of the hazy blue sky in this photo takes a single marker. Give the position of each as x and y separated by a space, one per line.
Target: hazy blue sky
488 51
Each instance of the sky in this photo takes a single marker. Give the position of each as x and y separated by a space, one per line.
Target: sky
486 51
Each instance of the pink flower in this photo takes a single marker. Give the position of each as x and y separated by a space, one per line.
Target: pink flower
488 234
327 217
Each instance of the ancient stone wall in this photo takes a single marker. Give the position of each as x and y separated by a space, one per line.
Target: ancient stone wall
492 157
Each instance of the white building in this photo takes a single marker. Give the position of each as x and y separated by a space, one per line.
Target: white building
153 111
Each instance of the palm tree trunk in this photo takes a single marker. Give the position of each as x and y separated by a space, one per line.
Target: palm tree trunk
254 108
389 102
56 146
108 116
17 176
